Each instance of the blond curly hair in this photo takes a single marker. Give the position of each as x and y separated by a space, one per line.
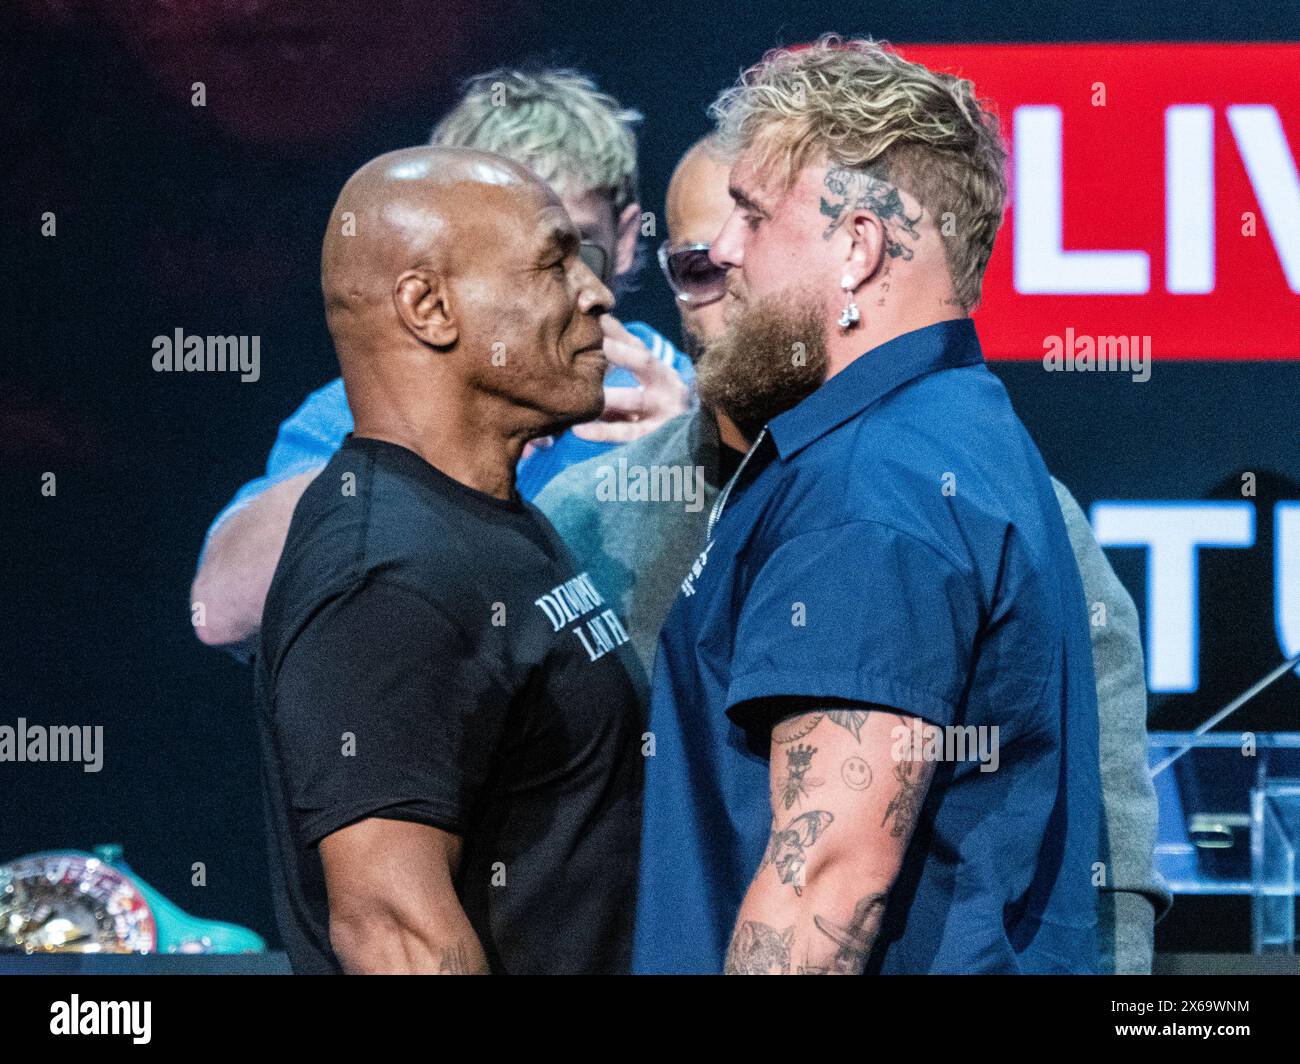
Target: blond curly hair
557 122
858 104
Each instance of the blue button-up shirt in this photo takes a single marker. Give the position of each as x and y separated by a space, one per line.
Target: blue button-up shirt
894 540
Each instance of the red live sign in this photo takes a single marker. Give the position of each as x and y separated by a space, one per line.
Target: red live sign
1153 193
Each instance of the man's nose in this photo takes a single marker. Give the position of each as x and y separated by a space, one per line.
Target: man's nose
594 296
727 249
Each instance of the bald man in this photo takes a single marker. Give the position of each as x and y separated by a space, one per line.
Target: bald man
449 712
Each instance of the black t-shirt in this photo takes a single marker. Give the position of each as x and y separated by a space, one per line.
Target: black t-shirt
430 653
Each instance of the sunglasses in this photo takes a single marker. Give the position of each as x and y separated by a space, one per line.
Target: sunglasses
691 275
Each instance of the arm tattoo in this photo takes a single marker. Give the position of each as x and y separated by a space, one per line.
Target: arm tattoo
852 189
849 719
786 849
793 728
758 949
795 784
453 960
856 773
854 939
906 804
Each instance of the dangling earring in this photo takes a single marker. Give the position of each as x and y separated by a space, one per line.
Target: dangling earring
850 317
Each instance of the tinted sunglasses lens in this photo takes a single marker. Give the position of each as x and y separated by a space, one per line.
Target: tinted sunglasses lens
595 258
694 277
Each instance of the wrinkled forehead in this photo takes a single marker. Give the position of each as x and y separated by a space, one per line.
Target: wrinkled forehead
516 205
745 182
517 222
760 183
552 228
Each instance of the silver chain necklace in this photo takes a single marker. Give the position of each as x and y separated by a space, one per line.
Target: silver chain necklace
720 503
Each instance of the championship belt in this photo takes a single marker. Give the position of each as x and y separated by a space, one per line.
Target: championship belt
67 901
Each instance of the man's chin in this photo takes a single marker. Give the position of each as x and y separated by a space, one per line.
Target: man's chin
593 411
587 404
591 383
748 372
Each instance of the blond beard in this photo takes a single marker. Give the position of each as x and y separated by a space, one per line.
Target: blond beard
770 358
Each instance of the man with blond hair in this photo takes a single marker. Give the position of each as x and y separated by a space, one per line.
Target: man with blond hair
873 702
639 544
582 143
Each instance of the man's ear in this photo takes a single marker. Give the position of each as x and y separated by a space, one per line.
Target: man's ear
868 249
626 232
423 303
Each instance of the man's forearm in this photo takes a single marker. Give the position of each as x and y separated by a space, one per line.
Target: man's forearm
829 930
388 944
393 903
232 582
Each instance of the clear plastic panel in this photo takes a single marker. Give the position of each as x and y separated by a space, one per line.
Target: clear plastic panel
1230 823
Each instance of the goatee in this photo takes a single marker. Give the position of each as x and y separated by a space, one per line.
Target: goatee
771 357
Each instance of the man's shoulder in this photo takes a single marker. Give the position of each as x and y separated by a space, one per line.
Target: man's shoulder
364 511
330 394
962 409
360 525
1070 508
961 478
1082 539
1100 581
957 432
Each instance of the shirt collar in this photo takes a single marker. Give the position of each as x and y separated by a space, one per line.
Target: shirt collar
944 345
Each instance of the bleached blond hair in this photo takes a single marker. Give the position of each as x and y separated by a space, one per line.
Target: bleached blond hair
556 122
858 104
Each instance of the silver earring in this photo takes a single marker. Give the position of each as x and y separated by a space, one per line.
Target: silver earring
850 316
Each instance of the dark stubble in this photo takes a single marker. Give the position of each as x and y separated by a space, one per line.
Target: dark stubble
770 358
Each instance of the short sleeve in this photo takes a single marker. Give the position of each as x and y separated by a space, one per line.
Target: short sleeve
312 434
859 613
306 440
379 705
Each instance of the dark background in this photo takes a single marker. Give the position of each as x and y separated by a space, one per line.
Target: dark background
209 219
